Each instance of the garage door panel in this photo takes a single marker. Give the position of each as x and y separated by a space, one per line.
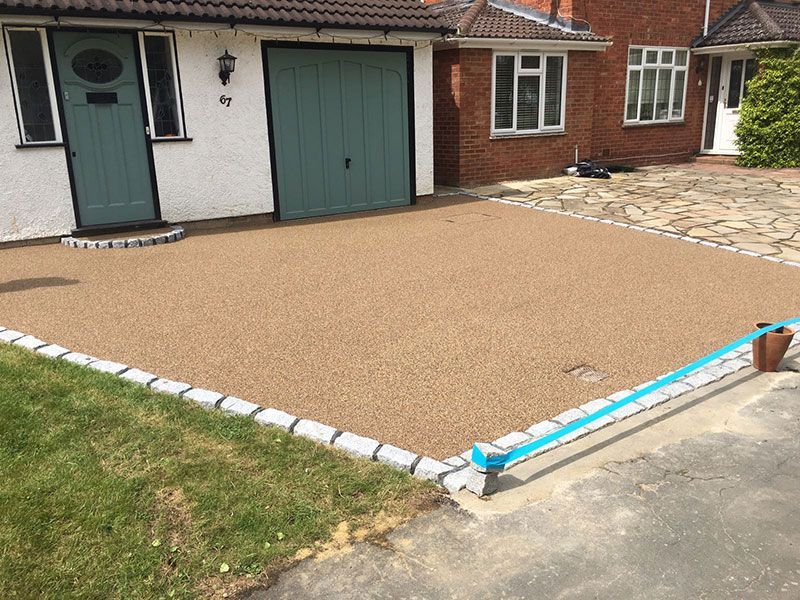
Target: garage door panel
357 138
288 130
396 147
342 104
333 127
375 125
312 141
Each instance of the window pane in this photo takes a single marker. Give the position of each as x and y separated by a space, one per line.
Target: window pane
163 99
681 57
662 94
648 94
528 102
31 78
530 62
635 56
750 71
504 92
633 95
651 57
735 84
553 90
667 57
677 95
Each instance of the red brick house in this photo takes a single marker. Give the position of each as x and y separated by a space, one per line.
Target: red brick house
525 86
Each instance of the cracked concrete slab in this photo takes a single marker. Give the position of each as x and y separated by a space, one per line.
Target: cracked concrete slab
693 499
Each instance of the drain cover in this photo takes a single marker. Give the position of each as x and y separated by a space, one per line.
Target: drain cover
470 218
587 373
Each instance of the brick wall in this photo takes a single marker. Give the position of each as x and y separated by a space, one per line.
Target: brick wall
446 124
464 152
657 23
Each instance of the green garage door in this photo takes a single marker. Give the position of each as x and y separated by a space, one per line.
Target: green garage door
340 123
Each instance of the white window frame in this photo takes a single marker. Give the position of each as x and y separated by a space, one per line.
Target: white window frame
673 66
50 87
176 82
518 70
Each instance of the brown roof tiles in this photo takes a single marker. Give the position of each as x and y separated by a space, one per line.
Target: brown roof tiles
482 19
409 15
751 22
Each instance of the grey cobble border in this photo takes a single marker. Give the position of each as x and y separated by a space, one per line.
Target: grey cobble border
455 473
667 234
356 445
466 477
159 239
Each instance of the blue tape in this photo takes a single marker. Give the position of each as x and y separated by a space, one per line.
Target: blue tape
498 462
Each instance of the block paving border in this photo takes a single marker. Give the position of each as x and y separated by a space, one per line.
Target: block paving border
356 445
667 234
158 239
453 473
715 371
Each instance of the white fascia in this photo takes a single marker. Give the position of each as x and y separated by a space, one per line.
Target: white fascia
266 31
740 47
520 44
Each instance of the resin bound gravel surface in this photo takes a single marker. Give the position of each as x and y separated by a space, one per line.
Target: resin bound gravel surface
429 328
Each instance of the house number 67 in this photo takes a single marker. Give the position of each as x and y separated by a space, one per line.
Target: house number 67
225 100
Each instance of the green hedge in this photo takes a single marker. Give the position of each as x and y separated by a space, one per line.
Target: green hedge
769 125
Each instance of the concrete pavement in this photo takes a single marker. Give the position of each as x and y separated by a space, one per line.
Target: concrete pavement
697 498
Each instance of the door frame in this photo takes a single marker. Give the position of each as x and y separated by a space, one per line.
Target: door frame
119 226
724 79
412 155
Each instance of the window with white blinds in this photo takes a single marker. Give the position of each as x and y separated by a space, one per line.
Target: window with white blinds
528 92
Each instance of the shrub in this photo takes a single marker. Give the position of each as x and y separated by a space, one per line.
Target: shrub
769 122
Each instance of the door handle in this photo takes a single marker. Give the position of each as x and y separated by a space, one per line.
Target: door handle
347 162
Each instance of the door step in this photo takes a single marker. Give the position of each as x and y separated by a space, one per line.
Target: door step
715 159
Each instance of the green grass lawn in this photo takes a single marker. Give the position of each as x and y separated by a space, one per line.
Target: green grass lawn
108 490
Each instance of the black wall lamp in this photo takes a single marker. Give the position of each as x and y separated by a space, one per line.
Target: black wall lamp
227 64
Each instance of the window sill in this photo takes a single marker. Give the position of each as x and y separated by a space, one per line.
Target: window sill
39 145
170 139
505 136
653 124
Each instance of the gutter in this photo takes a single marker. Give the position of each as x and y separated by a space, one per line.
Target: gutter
742 46
523 44
179 18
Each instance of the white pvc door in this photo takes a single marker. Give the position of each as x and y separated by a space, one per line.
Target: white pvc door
737 70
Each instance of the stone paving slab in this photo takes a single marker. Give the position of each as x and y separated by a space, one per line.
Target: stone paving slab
751 211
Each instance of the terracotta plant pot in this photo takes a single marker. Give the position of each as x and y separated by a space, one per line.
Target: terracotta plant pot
769 349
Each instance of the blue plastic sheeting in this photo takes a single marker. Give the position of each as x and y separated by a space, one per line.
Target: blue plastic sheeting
497 463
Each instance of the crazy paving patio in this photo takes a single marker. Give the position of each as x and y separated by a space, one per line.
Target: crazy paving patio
431 328
752 210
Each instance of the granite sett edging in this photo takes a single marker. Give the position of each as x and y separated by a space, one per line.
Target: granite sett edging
159 239
358 446
714 371
650 230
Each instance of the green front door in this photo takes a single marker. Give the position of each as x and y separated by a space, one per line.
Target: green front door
107 143
340 127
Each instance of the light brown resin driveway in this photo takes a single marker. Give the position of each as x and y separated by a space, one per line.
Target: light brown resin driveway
431 328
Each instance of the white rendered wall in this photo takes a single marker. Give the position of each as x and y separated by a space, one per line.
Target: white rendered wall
423 118
223 171
35 199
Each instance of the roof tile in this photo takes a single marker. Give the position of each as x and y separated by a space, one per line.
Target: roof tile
366 14
750 22
481 19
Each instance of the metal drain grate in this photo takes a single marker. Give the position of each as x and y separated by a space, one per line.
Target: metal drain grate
587 373
470 218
